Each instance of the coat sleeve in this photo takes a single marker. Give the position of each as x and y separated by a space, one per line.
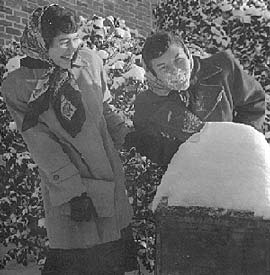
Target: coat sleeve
64 181
248 97
158 149
146 138
115 122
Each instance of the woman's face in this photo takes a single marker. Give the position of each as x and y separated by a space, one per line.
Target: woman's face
63 47
173 68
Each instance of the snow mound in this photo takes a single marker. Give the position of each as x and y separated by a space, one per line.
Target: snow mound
226 165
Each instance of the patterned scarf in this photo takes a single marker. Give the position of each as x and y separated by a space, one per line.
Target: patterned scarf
57 86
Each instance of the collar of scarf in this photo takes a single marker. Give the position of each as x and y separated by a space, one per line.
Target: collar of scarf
58 88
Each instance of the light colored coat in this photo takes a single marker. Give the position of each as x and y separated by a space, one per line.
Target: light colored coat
70 166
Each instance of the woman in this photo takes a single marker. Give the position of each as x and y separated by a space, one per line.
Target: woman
57 99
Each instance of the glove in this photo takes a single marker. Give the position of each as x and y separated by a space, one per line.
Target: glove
82 209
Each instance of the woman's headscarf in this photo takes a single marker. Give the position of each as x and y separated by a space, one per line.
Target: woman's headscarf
57 86
32 42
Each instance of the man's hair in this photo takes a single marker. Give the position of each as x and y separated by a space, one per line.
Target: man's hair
157 44
56 20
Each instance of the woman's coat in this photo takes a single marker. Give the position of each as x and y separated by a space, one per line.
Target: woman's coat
70 166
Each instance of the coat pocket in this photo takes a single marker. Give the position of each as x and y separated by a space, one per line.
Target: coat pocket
102 194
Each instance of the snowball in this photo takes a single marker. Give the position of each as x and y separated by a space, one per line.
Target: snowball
226 165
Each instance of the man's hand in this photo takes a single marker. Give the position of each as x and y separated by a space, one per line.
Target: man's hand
131 140
82 208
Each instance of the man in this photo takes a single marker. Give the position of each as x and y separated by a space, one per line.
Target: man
58 100
186 91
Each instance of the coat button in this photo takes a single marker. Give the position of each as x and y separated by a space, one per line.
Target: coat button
56 177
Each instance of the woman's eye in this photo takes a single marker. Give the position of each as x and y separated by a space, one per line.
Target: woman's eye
179 61
64 44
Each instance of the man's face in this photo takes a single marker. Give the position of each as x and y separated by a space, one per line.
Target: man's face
173 68
63 47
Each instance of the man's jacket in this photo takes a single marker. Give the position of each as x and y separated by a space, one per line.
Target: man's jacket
220 91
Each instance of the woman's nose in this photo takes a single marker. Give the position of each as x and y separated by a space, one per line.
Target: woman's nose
73 45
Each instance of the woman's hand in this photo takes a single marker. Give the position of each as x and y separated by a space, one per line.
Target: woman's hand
82 208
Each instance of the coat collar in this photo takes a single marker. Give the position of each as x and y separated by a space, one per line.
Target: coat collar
207 72
32 63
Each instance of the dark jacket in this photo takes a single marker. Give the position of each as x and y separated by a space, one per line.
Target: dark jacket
221 91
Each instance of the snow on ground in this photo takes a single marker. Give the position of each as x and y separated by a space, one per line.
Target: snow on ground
226 165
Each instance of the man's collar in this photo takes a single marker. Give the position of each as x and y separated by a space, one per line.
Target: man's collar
207 72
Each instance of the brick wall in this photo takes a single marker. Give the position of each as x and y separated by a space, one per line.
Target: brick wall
14 13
